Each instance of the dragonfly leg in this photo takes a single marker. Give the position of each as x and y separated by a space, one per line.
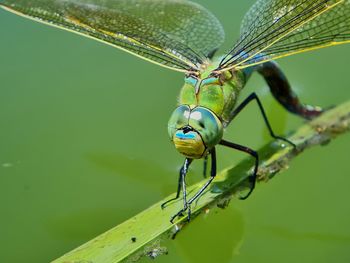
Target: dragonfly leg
181 181
283 92
187 206
205 166
252 178
255 97
200 191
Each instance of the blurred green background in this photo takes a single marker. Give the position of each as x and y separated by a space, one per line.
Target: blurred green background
84 146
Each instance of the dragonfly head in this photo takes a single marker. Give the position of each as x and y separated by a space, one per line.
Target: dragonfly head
194 131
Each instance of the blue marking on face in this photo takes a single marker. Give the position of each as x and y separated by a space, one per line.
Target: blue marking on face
183 136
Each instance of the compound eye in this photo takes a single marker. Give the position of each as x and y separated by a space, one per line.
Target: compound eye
178 119
207 125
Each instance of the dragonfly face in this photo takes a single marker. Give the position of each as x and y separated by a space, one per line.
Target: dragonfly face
194 131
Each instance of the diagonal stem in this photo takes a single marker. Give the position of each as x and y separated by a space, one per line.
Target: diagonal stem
152 225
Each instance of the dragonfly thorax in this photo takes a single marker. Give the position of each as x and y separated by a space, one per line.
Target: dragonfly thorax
216 92
194 131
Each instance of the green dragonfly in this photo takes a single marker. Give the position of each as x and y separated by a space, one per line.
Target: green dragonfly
183 36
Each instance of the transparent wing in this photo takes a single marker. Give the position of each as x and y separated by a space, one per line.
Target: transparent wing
332 28
277 28
177 34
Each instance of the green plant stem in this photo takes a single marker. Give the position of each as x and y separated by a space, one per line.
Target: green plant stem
141 235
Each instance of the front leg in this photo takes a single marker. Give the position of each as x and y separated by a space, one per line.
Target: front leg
205 165
183 173
187 205
181 181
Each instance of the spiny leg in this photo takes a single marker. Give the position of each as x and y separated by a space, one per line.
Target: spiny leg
182 183
255 97
182 175
184 192
177 192
251 152
283 93
205 166
200 191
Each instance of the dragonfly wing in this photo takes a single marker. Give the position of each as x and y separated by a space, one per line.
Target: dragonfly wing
332 28
277 28
177 34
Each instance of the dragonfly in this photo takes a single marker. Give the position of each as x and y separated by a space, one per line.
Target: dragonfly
183 36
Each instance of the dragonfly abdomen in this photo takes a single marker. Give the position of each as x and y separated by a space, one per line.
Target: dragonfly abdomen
283 93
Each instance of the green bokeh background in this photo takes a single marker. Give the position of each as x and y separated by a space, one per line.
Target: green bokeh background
84 146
